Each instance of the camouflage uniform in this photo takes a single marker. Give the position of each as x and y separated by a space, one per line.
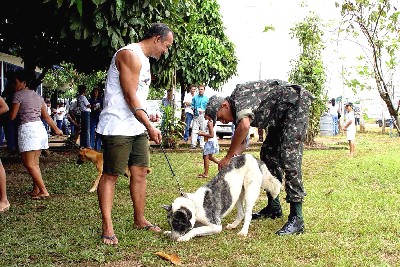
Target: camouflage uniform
282 109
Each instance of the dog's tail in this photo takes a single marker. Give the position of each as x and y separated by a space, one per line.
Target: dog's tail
270 183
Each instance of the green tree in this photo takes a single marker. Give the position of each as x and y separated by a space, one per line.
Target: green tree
64 79
87 33
84 33
308 70
375 26
202 53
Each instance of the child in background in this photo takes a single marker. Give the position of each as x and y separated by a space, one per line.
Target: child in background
211 146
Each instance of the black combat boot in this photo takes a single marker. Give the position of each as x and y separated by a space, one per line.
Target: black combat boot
295 223
267 212
273 210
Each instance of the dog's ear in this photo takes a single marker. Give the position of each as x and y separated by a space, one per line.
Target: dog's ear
167 207
185 213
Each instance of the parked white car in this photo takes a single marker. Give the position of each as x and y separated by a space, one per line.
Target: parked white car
223 130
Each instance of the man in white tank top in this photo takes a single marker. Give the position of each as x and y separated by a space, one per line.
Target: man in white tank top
125 126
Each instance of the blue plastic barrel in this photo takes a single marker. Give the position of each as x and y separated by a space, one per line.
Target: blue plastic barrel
326 125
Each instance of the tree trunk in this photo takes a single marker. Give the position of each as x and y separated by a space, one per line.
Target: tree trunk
183 92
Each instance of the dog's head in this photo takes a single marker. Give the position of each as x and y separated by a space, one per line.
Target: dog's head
82 156
181 217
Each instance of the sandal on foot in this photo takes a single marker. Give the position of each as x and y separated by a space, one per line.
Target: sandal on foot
30 193
202 176
37 197
113 239
151 227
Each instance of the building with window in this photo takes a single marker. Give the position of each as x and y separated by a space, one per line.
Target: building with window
9 63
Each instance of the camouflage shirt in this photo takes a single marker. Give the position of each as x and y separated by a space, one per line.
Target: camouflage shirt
264 102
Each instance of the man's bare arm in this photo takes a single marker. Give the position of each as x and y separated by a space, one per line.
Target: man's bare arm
239 137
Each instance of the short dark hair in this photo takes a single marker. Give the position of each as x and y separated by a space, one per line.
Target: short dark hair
21 75
81 88
157 29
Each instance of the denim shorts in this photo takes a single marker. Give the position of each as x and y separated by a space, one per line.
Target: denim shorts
120 151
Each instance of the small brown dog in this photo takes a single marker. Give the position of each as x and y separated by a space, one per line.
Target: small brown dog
87 154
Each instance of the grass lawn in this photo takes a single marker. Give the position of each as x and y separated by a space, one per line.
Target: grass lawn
352 214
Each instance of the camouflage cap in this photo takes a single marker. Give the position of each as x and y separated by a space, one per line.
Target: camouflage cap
213 105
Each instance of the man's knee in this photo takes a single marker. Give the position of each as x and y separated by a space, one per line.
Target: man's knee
109 177
139 173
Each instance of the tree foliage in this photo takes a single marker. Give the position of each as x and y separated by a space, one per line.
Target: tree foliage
374 25
308 70
64 79
87 33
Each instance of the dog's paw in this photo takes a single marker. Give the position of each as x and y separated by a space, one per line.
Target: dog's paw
183 238
230 226
242 233
168 233
93 190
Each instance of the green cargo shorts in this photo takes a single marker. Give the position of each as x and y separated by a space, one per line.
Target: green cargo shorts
120 151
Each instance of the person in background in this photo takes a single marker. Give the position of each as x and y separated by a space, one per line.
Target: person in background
126 128
4 203
59 115
260 135
29 107
74 118
199 103
84 107
96 103
46 125
211 146
357 116
350 128
168 100
187 102
281 108
334 111
10 126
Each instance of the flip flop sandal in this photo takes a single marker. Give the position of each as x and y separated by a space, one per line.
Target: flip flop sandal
40 197
150 227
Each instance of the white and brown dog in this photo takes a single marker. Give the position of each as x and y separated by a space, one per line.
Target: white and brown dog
200 213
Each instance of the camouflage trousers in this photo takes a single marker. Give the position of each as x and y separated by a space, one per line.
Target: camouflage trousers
282 149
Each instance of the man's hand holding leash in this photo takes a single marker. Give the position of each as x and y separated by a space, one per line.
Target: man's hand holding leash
154 134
